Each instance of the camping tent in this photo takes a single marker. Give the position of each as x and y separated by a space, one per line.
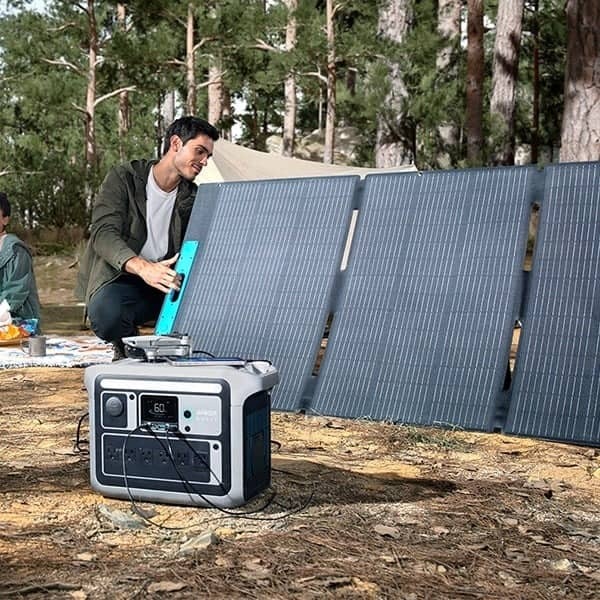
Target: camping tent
231 162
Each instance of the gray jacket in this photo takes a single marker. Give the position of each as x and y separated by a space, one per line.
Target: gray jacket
118 230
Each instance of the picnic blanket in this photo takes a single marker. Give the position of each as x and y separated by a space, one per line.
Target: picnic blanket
78 351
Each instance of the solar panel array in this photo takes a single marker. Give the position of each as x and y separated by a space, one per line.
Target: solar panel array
261 284
423 330
424 313
556 392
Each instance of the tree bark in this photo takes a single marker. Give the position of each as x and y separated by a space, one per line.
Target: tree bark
289 115
505 69
215 90
331 83
580 136
226 114
190 103
475 74
90 98
395 133
124 116
448 28
535 117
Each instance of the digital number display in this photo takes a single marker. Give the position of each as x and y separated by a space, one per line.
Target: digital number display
159 409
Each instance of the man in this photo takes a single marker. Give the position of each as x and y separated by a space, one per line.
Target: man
139 220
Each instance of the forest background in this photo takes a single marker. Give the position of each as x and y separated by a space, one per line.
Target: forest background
438 83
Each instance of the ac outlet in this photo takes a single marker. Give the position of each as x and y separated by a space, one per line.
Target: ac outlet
147 457
130 455
113 454
182 458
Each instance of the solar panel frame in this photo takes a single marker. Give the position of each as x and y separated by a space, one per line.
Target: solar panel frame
262 283
556 388
423 328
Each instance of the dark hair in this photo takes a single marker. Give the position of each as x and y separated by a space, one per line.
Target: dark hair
187 128
4 205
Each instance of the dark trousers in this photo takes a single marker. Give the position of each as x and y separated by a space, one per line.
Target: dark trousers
117 309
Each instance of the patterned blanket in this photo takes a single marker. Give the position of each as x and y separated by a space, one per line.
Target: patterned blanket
78 351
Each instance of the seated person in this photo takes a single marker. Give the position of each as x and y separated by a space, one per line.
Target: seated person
138 223
17 280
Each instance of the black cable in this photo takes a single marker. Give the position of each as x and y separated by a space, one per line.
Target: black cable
135 507
241 514
190 488
78 441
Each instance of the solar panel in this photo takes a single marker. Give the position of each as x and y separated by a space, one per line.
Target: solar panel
261 282
423 328
556 390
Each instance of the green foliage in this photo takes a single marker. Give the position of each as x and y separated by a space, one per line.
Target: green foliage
42 155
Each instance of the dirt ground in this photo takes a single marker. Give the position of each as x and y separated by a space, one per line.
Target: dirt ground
361 509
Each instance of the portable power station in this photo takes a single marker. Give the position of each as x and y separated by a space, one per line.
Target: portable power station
180 433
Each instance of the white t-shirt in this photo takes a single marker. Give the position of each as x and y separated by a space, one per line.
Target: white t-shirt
159 207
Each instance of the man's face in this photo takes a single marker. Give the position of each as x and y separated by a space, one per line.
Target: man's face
189 158
3 221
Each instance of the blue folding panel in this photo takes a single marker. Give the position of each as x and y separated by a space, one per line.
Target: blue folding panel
556 390
423 328
261 282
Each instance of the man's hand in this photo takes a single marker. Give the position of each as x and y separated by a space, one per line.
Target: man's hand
159 275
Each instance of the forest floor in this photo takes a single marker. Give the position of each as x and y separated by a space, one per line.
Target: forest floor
361 510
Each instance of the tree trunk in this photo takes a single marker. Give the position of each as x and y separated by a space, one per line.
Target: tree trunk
90 106
190 104
580 136
215 90
331 82
289 116
395 133
475 73
505 69
124 117
535 117
226 115
448 28
90 98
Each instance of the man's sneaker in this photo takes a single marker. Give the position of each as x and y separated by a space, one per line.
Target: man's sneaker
118 351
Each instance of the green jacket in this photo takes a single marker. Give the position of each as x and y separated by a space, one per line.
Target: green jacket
17 279
118 230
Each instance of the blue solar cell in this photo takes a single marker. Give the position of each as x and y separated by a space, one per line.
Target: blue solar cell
268 256
423 328
556 391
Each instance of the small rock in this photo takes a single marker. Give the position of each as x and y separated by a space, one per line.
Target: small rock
85 556
199 542
563 564
121 519
438 530
165 586
385 530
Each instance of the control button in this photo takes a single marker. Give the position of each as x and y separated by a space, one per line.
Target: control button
114 406
187 414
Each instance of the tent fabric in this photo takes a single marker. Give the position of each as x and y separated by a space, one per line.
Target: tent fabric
232 162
